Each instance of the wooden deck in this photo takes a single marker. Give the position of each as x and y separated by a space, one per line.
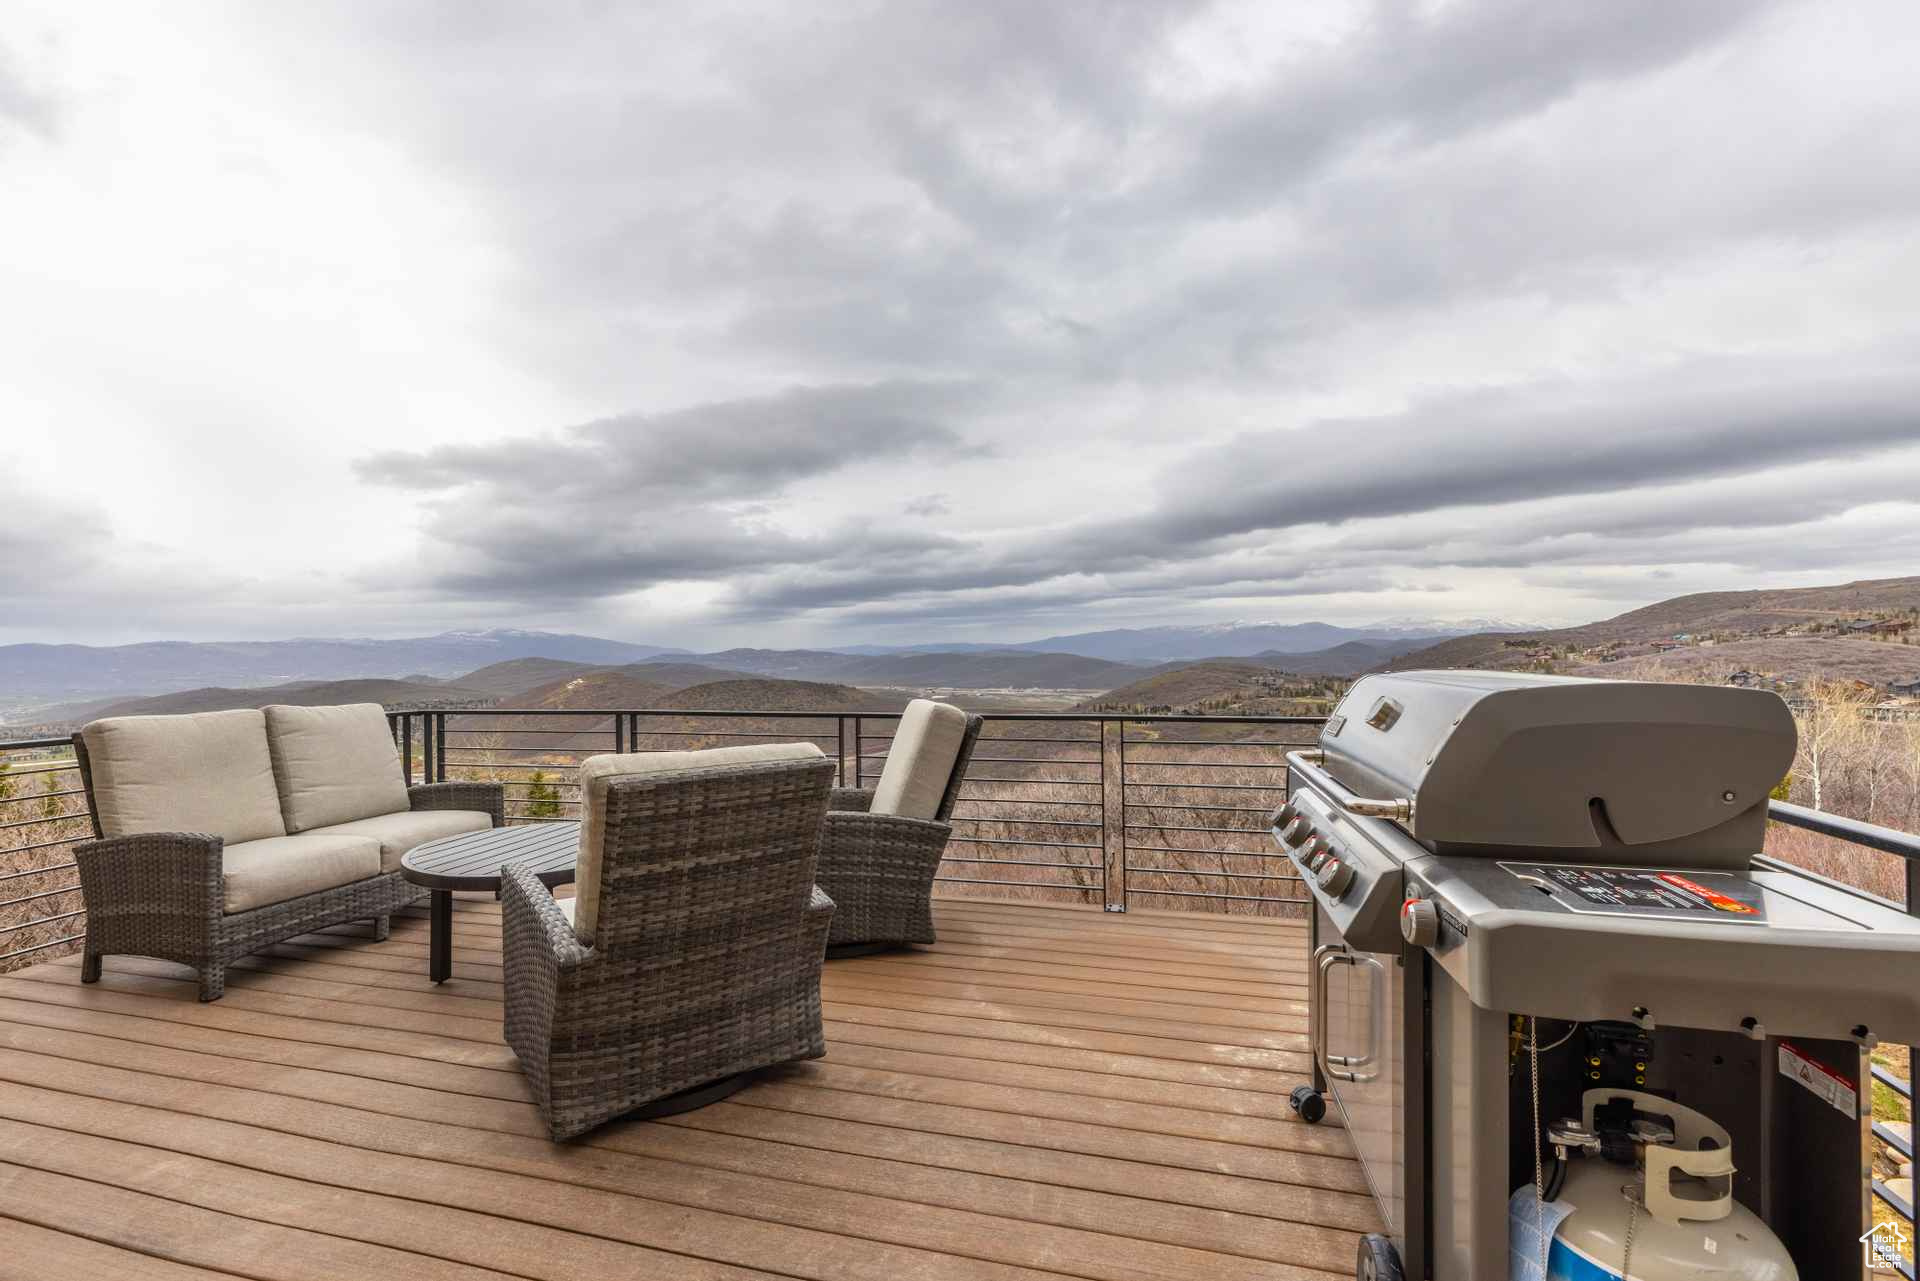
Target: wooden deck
1046 1092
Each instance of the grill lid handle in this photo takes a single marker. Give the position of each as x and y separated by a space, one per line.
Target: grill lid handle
1308 761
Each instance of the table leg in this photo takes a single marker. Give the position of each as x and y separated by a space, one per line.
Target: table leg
440 949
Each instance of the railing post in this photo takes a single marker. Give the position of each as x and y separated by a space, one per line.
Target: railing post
1113 812
859 758
440 747
406 744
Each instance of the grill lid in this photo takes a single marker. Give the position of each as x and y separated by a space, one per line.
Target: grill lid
1506 759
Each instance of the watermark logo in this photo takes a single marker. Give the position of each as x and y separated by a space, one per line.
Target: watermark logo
1885 1247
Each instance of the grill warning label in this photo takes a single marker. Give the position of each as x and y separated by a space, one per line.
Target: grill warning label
1633 891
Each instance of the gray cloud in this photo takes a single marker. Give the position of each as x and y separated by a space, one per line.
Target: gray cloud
725 450
996 313
625 503
23 103
1677 469
1527 443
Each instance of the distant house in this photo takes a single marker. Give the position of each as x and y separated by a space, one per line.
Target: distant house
1905 689
1744 679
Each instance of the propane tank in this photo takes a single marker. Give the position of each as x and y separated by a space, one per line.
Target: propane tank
1675 1200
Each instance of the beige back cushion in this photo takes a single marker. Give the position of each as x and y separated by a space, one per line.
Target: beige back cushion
334 764
209 772
597 772
920 760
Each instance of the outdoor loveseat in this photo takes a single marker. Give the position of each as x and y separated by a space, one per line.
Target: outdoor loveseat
882 845
222 833
690 954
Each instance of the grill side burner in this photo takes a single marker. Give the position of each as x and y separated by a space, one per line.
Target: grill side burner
1494 858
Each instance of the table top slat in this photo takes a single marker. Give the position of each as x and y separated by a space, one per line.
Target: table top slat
472 860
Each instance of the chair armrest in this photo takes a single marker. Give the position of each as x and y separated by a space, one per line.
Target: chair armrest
533 928
151 873
856 844
859 825
854 799
487 798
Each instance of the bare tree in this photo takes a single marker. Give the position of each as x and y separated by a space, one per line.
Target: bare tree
1830 721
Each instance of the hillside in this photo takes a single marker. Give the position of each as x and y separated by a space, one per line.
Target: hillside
517 675
390 693
1184 684
1000 670
1816 614
1218 686
681 675
607 688
995 669
633 686
1796 658
1350 659
749 694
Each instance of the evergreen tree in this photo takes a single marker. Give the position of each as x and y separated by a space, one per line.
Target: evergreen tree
543 798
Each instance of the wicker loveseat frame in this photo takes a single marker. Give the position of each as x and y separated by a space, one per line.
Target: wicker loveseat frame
160 894
706 947
879 868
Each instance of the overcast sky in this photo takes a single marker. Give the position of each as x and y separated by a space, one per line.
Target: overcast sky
719 324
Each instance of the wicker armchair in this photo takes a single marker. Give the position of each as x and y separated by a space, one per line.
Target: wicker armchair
690 954
207 841
880 847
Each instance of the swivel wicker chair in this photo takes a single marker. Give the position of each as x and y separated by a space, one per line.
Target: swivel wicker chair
690 954
882 845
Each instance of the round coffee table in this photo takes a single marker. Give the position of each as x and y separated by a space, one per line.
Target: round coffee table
472 861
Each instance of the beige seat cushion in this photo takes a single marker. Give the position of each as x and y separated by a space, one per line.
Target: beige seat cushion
259 873
398 833
208 772
334 764
597 772
920 760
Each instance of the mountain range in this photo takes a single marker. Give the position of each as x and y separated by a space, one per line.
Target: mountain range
1798 632
36 676
1216 640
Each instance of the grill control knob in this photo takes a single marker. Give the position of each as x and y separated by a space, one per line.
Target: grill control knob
1420 922
1282 816
1335 877
1296 831
1314 853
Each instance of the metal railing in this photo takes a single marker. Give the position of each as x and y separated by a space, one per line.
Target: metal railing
1906 847
1118 811
43 811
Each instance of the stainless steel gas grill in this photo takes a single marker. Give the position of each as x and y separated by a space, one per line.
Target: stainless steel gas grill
1573 1031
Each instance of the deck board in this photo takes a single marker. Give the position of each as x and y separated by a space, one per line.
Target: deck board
1047 1092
